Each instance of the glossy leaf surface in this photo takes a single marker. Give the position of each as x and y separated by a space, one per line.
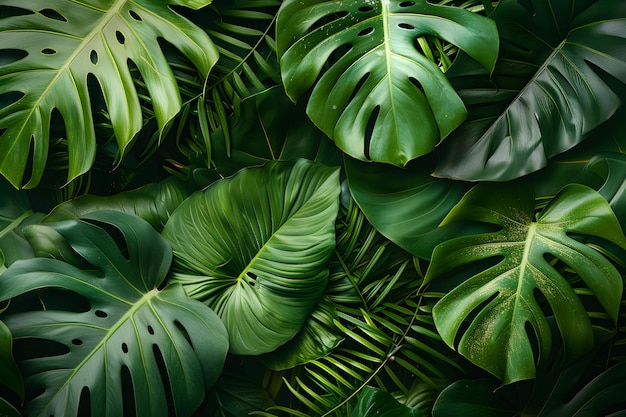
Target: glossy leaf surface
380 98
56 46
488 316
405 205
552 85
131 335
254 247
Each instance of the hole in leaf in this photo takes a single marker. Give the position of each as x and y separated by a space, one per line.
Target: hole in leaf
93 57
48 51
84 404
359 85
77 342
326 20
150 330
158 356
10 55
369 130
64 300
183 331
471 317
120 37
366 31
406 26
10 98
365 9
135 16
124 348
407 4
101 314
10 11
53 14
33 347
115 234
128 393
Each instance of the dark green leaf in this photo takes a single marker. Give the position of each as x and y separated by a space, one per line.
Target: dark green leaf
10 375
373 402
552 85
612 168
254 247
270 127
405 205
487 315
66 45
161 342
379 98
7 410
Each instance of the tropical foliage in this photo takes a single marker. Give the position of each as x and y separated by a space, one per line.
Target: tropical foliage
312 208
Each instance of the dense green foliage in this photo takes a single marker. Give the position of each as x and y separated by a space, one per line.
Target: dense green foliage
312 208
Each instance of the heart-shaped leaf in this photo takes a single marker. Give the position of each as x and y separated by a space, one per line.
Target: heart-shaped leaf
132 344
374 92
255 247
551 86
53 47
489 316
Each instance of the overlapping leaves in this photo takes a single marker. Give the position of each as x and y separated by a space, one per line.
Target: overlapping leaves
380 98
494 315
130 344
554 82
50 51
255 246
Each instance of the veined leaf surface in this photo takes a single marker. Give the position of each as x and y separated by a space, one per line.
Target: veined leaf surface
254 247
376 74
131 333
486 316
555 81
51 50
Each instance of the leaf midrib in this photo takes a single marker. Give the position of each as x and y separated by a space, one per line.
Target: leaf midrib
145 299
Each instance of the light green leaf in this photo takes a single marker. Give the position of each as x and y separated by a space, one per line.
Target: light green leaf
56 45
488 316
133 337
374 92
254 247
555 81
374 402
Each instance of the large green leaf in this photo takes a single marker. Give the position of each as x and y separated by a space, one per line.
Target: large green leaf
10 376
612 168
132 344
254 247
494 316
552 85
406 206
374 92
55 46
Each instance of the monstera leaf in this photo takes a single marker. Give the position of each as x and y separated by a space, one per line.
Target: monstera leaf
254 247
555 81
374 92
494 317
611 166
132 343
51 48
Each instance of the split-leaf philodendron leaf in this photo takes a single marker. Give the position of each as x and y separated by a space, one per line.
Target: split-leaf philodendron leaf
254 247
51 48
374 92
488 316
555 80
133 344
